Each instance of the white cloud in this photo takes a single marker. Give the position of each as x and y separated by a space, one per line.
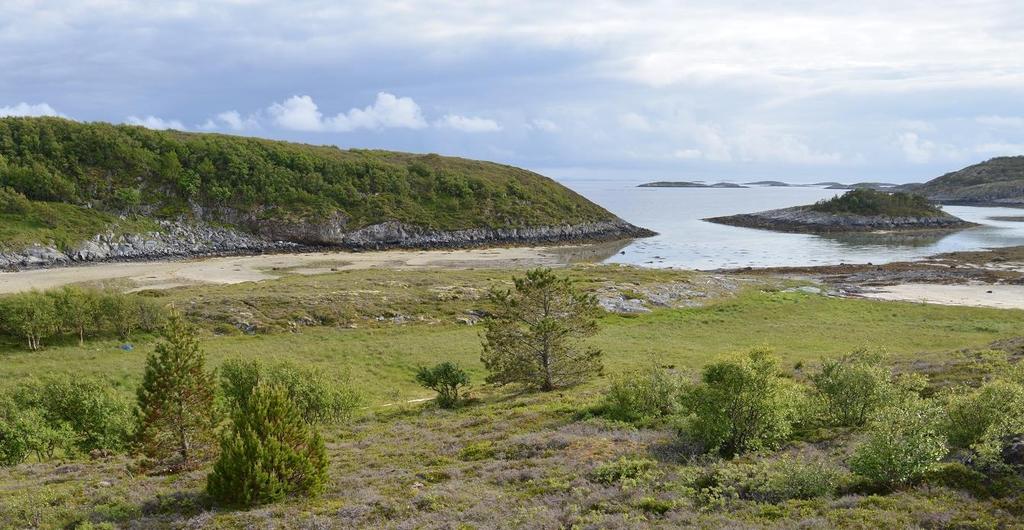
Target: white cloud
1000 149
231 120
301 113
29 109
714 145
542 124
1001 121
687 154
153 122
467 124
915 148
634 121
770 146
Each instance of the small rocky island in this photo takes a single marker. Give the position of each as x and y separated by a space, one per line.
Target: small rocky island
860 210
685 184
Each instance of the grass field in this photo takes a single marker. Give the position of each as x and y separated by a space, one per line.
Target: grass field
506 460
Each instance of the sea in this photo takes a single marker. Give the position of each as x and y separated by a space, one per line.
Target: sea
686 241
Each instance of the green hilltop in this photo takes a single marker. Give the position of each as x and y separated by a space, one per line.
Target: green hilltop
998 181
88 175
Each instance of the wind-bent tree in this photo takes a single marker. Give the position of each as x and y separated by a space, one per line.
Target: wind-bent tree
176 421
534 335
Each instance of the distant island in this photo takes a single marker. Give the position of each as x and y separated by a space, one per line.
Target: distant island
685 184
859 210
863 185
770 183
995 182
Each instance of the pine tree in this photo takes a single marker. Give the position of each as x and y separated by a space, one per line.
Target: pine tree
534 334
176 420
269 452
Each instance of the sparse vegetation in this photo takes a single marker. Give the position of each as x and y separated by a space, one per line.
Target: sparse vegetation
446 379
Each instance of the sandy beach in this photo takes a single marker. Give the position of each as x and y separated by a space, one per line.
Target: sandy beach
135 276
983 295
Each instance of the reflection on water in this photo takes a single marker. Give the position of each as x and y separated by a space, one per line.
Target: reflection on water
888 240
686 241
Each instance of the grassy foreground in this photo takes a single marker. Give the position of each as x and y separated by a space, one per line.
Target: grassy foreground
505 460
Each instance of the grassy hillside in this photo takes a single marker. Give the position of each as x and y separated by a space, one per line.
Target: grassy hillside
121 169
866 201
999 180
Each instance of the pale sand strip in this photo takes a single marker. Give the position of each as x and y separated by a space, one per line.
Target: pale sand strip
998 296
237 269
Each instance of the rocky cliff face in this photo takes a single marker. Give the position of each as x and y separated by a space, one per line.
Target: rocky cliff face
802 219
186 240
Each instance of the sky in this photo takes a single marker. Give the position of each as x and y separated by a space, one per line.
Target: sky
799 90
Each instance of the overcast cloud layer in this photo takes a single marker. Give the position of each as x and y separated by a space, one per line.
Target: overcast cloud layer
869 90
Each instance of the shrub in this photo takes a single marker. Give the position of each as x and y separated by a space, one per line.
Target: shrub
77 310
13 202
853 387
642 395
445 379
970 414
319 397
475 451
773 481
24 431
626 472
176 414
742 405
534 333
268 453
99 416
903 442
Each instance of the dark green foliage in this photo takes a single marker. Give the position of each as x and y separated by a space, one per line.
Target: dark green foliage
643 395
743 404
319 397
446 379
92 409
269 452
904 441
852 387
176 418
52 159
534 333
871 202
773 480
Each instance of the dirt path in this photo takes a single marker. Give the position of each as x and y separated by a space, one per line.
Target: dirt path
237 269
998 296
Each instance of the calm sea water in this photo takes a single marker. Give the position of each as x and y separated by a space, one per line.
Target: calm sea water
686 241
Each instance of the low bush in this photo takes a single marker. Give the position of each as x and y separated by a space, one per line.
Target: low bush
626 472
446 379
24 431
319 397
774 481
268 453
972 413
743 404
99 417
853 387
903 442
642 396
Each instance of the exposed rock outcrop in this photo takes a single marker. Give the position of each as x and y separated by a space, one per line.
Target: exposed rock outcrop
185 240
803 219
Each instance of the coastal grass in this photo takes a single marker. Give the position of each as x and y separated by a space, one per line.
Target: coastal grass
59 224
380 356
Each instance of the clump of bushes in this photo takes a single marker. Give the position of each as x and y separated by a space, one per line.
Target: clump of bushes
70 415
319 397
268 453
626 472
904 441
770 480
643 396
743 404
74 311
446 379
853 387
